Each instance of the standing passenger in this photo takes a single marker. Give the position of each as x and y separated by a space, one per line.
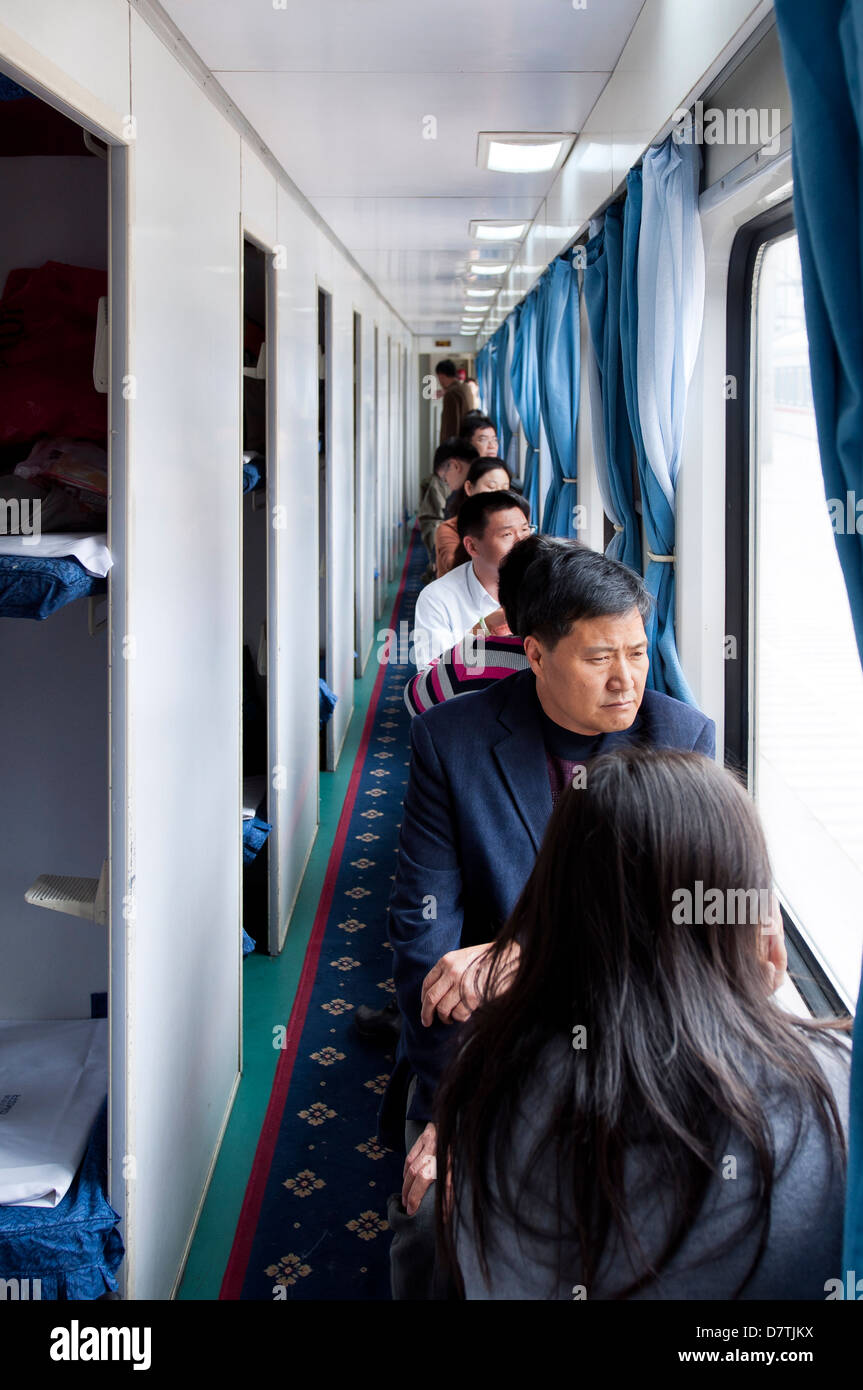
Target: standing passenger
456 399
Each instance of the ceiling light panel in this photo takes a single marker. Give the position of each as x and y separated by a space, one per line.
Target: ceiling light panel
522 152
498 231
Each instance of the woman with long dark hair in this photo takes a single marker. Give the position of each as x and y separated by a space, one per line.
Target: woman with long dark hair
631 1115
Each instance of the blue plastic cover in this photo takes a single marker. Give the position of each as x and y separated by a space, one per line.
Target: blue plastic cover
251 475
327 702
255 832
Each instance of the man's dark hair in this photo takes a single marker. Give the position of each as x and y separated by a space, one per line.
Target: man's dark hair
475 511
473 422
446 367
454 448
562 582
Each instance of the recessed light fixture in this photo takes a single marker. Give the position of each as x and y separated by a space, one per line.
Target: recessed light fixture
489 268
497 231
522 152
480 294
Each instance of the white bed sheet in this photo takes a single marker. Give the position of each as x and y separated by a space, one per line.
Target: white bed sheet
53 1080
91 551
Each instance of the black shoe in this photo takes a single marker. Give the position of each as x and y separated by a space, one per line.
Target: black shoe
379 1025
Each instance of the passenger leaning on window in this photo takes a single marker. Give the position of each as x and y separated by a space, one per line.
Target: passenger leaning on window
631 1116
485 475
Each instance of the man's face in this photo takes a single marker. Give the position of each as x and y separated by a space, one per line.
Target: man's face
454 473
485 442
593 681
502 531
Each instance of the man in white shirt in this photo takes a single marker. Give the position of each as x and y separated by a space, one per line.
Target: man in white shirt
489 524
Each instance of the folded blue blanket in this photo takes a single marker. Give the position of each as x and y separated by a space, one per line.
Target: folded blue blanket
36 586
74 1249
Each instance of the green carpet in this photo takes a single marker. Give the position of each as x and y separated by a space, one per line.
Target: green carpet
269 986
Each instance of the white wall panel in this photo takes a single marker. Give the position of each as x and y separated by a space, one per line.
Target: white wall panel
341 481
54 815
365 501
296 545
34 187
184 683
86 43
260 213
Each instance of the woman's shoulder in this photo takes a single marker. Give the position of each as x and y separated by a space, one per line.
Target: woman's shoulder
831 1049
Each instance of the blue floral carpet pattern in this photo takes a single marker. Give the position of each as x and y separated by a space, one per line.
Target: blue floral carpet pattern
321 1230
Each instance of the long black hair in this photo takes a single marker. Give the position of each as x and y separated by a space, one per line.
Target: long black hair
681 1046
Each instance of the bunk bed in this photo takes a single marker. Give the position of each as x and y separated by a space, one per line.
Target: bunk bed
58 1231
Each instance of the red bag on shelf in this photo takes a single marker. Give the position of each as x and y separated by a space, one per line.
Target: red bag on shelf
47 336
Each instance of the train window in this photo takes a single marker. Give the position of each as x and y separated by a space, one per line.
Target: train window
805 755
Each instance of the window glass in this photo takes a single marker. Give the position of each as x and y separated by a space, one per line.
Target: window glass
807 682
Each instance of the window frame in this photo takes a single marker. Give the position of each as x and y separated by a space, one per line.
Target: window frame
810 977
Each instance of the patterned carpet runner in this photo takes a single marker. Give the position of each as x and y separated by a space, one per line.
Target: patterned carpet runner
313 1223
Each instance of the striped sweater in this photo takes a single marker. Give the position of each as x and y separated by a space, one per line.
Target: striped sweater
474 663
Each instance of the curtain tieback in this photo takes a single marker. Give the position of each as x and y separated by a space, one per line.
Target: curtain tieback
616 527
569 480
660 559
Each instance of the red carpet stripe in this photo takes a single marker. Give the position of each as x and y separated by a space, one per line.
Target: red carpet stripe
238 1260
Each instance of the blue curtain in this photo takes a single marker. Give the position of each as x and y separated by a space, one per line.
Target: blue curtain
508 399
505 416
484 376
558 357
664 333
499 415
524 375
629 347
610 419
822 50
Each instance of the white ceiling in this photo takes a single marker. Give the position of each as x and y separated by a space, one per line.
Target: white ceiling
339 89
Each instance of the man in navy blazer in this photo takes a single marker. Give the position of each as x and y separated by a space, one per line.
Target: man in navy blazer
485 771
